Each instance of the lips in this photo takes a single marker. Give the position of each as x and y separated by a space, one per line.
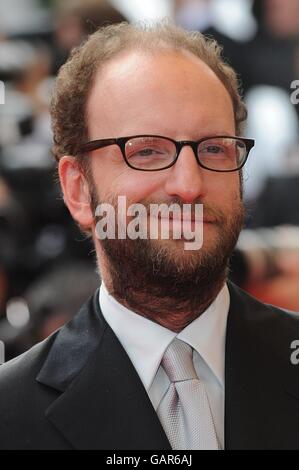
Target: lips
187 219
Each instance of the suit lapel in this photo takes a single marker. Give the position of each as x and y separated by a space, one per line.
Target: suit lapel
104 404
261 384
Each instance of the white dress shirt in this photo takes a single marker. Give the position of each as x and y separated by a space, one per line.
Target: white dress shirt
146 341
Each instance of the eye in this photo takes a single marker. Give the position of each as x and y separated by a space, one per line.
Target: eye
147 148
213 149
146 152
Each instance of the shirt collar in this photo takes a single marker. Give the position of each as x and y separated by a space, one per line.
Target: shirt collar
146 341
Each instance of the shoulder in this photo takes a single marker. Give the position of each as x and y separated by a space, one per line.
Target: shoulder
257 310
23 369
23 400
67 346
25 396
262 324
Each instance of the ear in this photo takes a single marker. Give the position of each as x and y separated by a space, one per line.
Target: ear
75 191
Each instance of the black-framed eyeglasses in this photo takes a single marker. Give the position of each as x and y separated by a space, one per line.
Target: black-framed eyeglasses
155 152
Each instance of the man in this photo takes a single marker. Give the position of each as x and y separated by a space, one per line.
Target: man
166 354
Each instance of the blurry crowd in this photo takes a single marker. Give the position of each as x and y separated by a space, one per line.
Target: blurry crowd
47 267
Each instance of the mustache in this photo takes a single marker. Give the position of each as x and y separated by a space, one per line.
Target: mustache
209 213
213 215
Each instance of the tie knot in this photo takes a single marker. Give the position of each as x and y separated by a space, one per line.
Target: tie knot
177 361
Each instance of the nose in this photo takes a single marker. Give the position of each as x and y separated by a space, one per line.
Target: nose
185 178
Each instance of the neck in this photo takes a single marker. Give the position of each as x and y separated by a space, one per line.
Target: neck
173 309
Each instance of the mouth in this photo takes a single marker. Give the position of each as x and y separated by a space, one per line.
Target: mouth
182 223
187 218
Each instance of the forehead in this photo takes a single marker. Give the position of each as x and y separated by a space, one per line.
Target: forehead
153 92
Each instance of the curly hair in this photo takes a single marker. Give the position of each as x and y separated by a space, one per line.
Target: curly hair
76 77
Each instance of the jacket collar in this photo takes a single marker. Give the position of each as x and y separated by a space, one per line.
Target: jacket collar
103 404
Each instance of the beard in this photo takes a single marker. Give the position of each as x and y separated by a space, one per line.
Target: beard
160 280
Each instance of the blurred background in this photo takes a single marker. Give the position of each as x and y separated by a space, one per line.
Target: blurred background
42 253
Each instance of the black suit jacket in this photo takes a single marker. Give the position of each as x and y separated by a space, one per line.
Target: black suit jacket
79 390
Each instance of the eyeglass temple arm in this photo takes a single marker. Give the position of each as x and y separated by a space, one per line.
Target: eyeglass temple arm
97 144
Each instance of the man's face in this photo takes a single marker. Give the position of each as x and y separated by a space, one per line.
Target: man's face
173 95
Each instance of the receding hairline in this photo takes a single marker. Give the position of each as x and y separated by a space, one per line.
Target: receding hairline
167 49
77 76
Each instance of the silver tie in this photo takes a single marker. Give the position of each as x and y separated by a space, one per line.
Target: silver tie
184 410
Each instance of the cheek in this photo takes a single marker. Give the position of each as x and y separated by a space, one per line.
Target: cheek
225 184
124 181
138 187
225 191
